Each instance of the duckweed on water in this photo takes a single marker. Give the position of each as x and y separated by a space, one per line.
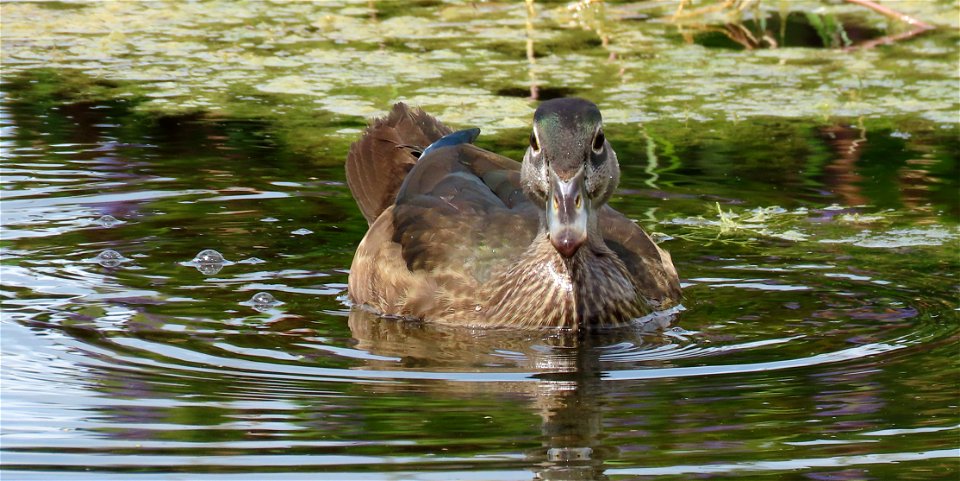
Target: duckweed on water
285 61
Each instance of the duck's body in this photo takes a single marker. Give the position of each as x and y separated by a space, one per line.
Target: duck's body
467 238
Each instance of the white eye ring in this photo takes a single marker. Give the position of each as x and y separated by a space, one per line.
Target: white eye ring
598 138
535 142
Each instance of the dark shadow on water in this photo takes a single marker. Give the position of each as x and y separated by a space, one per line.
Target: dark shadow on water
543 92
801 30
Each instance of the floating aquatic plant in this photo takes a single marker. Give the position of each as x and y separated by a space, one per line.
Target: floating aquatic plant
742 229
752 226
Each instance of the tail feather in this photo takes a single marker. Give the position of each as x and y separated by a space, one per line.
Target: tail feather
378 162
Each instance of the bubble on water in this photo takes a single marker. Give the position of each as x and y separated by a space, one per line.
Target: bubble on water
252 260
109 221
110 258
263 298
209 256
269 219
263 301
208 262
209 269
302 232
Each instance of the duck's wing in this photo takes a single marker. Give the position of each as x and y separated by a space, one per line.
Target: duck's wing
379 161
461 212
650 266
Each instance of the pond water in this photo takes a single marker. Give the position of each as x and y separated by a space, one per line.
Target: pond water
818 337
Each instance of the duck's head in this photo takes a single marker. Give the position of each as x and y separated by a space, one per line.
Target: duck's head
569 169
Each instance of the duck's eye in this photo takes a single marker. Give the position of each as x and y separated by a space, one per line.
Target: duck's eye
534 145
598 141
578 201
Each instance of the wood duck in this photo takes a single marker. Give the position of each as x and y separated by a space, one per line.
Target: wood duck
462 236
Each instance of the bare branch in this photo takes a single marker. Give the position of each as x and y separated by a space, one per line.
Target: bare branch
918 25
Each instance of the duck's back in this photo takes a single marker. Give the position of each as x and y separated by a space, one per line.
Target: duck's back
441 224
461 208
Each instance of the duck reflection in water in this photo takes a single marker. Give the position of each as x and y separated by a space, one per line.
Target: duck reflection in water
563 385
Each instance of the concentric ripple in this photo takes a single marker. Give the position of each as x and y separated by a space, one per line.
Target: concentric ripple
818 352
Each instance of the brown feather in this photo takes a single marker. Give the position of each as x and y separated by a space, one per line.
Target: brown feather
378 162
650 266
447 214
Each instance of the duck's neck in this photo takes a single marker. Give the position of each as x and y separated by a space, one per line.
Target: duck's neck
544 289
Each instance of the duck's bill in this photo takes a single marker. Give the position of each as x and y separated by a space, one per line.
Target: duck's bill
567 213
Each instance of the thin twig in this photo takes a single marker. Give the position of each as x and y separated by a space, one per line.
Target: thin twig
887 39
918 25
680 5
531 57
889 12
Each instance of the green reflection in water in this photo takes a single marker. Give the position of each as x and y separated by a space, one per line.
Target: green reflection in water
837 180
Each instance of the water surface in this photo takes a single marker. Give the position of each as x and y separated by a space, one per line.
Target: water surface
818 337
